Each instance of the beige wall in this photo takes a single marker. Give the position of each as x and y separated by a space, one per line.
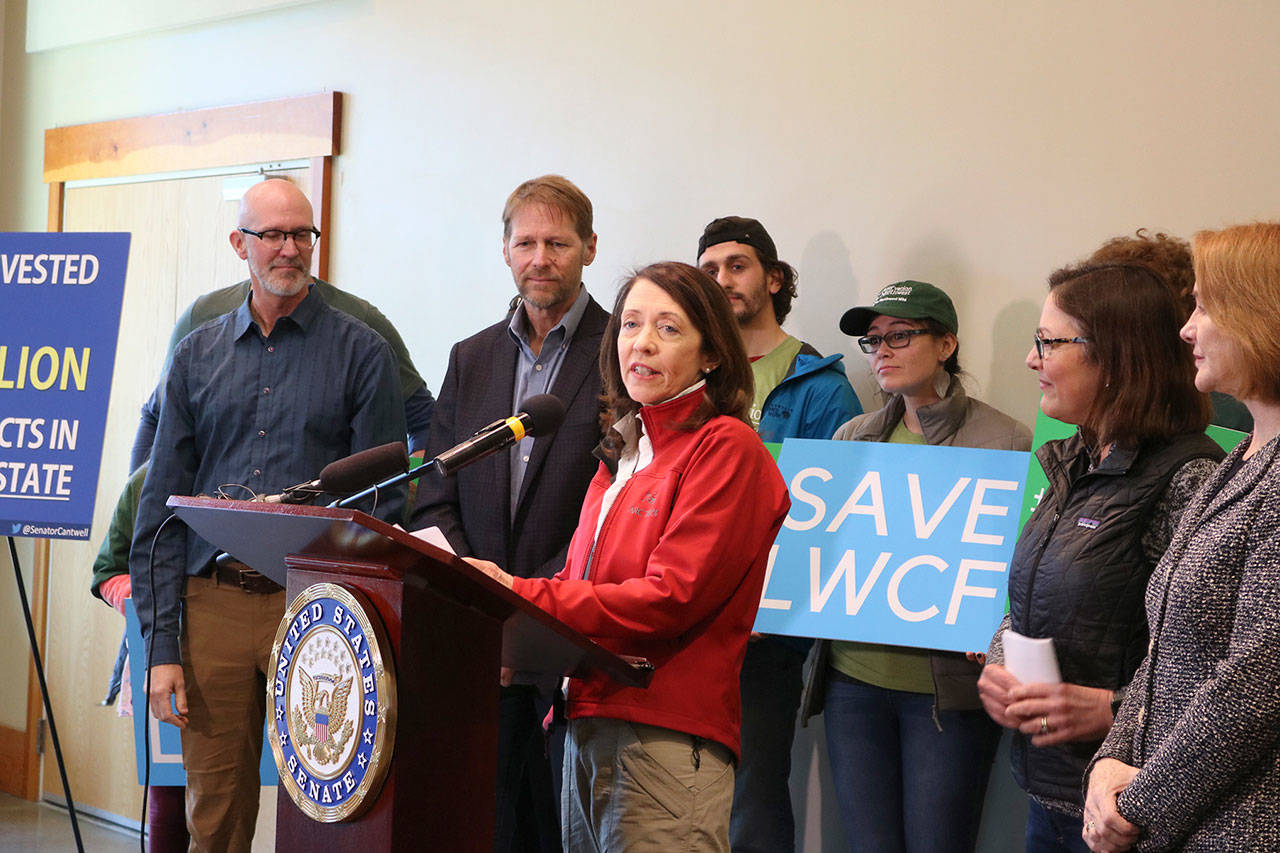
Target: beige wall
978 145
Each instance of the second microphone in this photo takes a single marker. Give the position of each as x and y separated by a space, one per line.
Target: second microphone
541 415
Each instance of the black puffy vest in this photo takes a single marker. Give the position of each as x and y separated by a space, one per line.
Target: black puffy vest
1079 575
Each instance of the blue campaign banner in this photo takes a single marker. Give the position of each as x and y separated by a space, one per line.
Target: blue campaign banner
907 545
166 739
60 297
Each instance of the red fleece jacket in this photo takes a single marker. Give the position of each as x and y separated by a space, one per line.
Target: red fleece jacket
676 573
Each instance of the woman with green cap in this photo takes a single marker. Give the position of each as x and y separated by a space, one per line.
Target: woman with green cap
909 744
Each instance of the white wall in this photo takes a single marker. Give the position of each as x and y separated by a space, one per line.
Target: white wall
14 663
12 666
63 23
977 145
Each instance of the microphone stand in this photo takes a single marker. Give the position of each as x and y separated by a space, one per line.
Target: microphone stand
411 474
44 692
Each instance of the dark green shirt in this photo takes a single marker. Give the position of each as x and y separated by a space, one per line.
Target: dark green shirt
113 556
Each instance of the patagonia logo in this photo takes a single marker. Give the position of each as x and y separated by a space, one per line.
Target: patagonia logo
1090 523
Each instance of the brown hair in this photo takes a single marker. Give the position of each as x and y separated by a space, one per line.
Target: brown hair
552 191
787 275
952 364
729 385
1167 256
1238 273
1146 373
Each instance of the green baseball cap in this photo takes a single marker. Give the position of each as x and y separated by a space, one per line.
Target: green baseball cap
910 300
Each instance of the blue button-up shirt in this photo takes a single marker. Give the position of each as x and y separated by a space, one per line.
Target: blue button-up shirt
535 374
243 414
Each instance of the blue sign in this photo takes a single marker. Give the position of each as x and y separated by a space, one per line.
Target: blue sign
906 545
166 739
60 296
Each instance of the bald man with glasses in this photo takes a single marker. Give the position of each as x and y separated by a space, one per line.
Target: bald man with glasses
418 400
254 401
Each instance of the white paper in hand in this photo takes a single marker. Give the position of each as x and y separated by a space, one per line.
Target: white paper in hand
1031 661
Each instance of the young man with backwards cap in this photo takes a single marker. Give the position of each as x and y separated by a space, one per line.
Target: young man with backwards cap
798 394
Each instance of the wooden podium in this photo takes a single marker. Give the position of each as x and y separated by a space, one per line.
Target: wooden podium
449 627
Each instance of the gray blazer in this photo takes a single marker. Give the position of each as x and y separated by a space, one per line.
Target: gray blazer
1202 715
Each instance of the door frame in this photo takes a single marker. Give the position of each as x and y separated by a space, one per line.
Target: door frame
301 128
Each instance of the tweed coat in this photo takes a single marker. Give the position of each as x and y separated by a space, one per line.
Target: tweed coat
1201 718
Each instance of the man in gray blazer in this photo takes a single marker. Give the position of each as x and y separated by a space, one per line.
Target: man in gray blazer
519 508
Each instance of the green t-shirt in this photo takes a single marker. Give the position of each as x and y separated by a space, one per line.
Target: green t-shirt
890 667
769 371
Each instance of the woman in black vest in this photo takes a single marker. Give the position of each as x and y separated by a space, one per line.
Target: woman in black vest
1193 761
1109 360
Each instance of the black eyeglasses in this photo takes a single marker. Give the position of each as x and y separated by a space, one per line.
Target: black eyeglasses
304 238
895 340
1045 346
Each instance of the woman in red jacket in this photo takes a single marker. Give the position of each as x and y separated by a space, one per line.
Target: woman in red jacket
667 563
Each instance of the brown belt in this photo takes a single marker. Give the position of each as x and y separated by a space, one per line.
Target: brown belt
236 573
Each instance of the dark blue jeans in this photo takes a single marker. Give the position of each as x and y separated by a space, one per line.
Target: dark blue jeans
901 783
772 677
1053 832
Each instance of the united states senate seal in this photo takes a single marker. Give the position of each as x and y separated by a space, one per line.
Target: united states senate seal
332 702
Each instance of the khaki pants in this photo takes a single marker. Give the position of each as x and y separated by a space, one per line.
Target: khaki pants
226 644
637 788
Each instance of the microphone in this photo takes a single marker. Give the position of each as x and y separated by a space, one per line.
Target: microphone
542 415
359 470
349 474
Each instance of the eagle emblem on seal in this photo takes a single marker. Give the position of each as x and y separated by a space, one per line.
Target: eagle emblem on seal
332 697
320 719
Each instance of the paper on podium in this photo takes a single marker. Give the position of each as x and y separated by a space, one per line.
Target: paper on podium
432 536
1031 661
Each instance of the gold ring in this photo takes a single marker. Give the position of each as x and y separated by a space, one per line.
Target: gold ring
1088 827
1044 725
